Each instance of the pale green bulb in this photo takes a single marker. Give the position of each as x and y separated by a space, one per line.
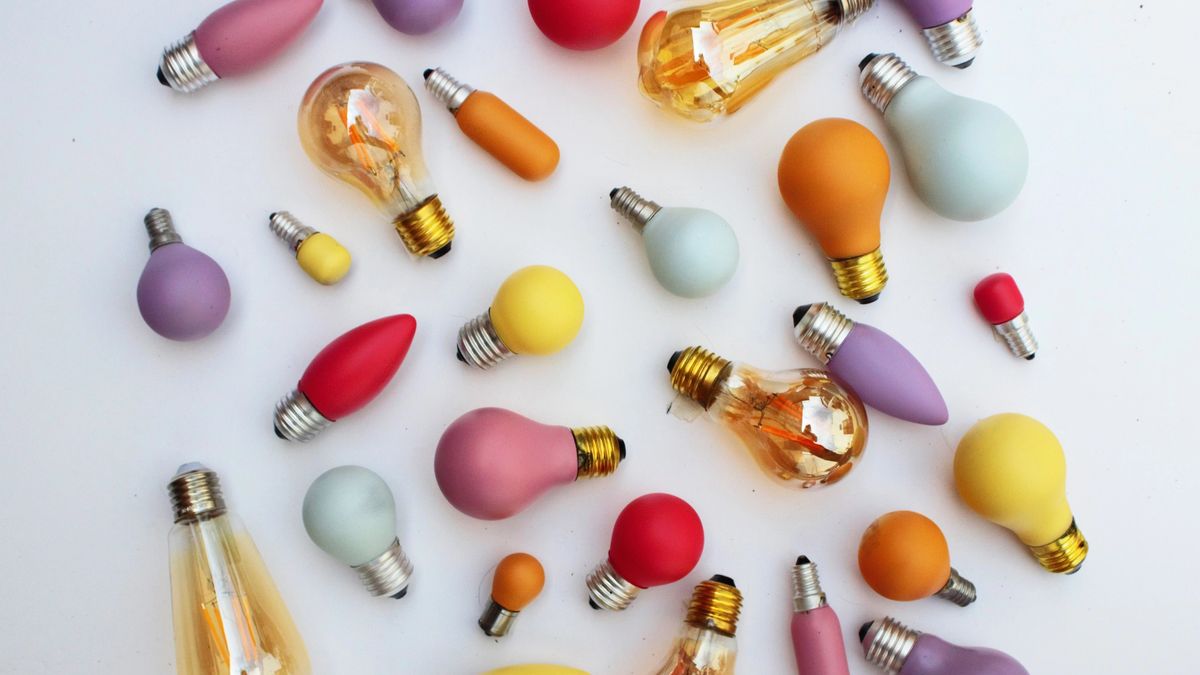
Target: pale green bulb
350 513
692 252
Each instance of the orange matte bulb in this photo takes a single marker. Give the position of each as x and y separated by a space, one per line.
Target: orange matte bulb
904 556
518 579
494 126
834 175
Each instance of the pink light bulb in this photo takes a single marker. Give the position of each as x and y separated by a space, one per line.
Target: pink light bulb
492 463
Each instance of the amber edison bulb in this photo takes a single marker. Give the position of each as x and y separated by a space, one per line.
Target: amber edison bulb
800 426
707 645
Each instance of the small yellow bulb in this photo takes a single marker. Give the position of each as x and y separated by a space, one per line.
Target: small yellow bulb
538 310
323 258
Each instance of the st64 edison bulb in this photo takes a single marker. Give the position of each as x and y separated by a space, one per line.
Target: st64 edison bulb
707 645
359 122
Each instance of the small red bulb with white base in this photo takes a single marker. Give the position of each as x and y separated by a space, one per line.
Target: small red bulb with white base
1001 303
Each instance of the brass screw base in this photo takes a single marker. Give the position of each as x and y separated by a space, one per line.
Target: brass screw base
861 278
715 604
427 230
1064 555
695 373
599 450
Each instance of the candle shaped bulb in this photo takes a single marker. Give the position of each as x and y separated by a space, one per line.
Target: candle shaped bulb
707 645
318 254
182 294
707 58
966 159
360 123
692 252
228 614
950 29
904 556
1010 469
537 669
816 630
897 649
657 540
801 427
538 310
492 463
494 126
344 376
237 38
518 580
418 17
834 176
871 363
1001 303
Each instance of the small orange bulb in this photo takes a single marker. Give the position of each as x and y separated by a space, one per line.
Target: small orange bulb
904 556
519 579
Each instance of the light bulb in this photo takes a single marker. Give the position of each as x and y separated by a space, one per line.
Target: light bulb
318 254
494 126
834 176
657 540
966 159
344 376
816 630
417 17
536 669
359 122
1010 469
904 556
538 310
519 579
692 252
871 363
583 25
1001 303
707 645
228 615
492 463
707 59
182 294
350 513
238 37
800 426
949 28
895 648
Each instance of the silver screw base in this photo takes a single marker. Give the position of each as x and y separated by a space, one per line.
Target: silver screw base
609 590
289 228
182 67
958 590
888 643
882 76
852 9
496 621
635 208
447 90
296 419
822 330
956 42
388 574
1017 335
806 586
161 229
478 344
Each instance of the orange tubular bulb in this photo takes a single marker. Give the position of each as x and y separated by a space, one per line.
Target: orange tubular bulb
494 126
518 580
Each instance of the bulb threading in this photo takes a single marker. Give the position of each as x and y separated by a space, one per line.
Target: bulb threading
196 494
289 228
958 590
635 208
447 90
956 42
479 346
297 419
598 450
497 621
715 605
822 330
861 278
387 574
888 644
161 228
426 230
807 594
882 77
697 374
1017 335
609 590
184 68
852 9
1064 555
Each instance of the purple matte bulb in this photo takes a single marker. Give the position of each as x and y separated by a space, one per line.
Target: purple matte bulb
884 374
417 17
182 294
949 28
899 650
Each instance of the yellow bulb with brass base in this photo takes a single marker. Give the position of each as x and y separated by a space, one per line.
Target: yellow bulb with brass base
1010 469
707 645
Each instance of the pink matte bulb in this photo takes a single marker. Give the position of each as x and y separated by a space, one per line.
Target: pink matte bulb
492 463
816 631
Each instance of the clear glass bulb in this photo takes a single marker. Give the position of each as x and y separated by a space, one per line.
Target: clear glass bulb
707 645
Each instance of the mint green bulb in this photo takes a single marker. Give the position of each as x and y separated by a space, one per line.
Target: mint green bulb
350 514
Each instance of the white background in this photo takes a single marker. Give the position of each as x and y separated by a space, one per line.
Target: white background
98 410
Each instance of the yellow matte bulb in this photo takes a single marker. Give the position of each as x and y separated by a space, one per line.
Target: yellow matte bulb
1010 469
318 254
538 310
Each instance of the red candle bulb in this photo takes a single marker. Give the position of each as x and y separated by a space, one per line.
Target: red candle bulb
583 25
1001 303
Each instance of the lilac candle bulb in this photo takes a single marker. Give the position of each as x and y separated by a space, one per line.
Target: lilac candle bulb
816 631
417 17
899 650
884 374
950 29
183 294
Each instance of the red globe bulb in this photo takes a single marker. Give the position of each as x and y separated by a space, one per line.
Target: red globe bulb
998 298
583 24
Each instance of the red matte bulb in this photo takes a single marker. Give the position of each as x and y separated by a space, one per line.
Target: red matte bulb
345 376
583 25
1001 303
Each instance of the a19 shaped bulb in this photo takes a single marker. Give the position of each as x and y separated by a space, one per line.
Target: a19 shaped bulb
350 513
360 123
707 645
1010 469
897 649
1001 303
834 176
657 540
966 159
538 310
692 252
318 254
904 556
182 294
492 463
949 28
417 17
518 580
801 427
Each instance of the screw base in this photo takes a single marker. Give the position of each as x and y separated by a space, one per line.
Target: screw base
887 644
1017 335
1064 555
426 230
479 346
388 574
447 90
696 372
161 229
635 208
289 228
882 76
958 590
599 451
806 586
861 278
956 42
183 69
296 419
609 590
822 330
196 494
715 604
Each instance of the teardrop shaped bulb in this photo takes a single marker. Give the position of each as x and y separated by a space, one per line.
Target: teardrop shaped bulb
182 294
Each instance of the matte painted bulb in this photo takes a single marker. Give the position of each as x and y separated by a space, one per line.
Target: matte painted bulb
519 579
657 540
896 649
360 123
966 159
1001 303
707 58
949 28
538 310
349 512
182 294
417 17
871 363
801 427
834 176
904 556
816 630
237 38
318 254
692 252
492 463
1010 469
707 645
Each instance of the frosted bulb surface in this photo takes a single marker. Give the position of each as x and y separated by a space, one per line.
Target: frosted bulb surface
693 252
350 513
183 294
888 377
